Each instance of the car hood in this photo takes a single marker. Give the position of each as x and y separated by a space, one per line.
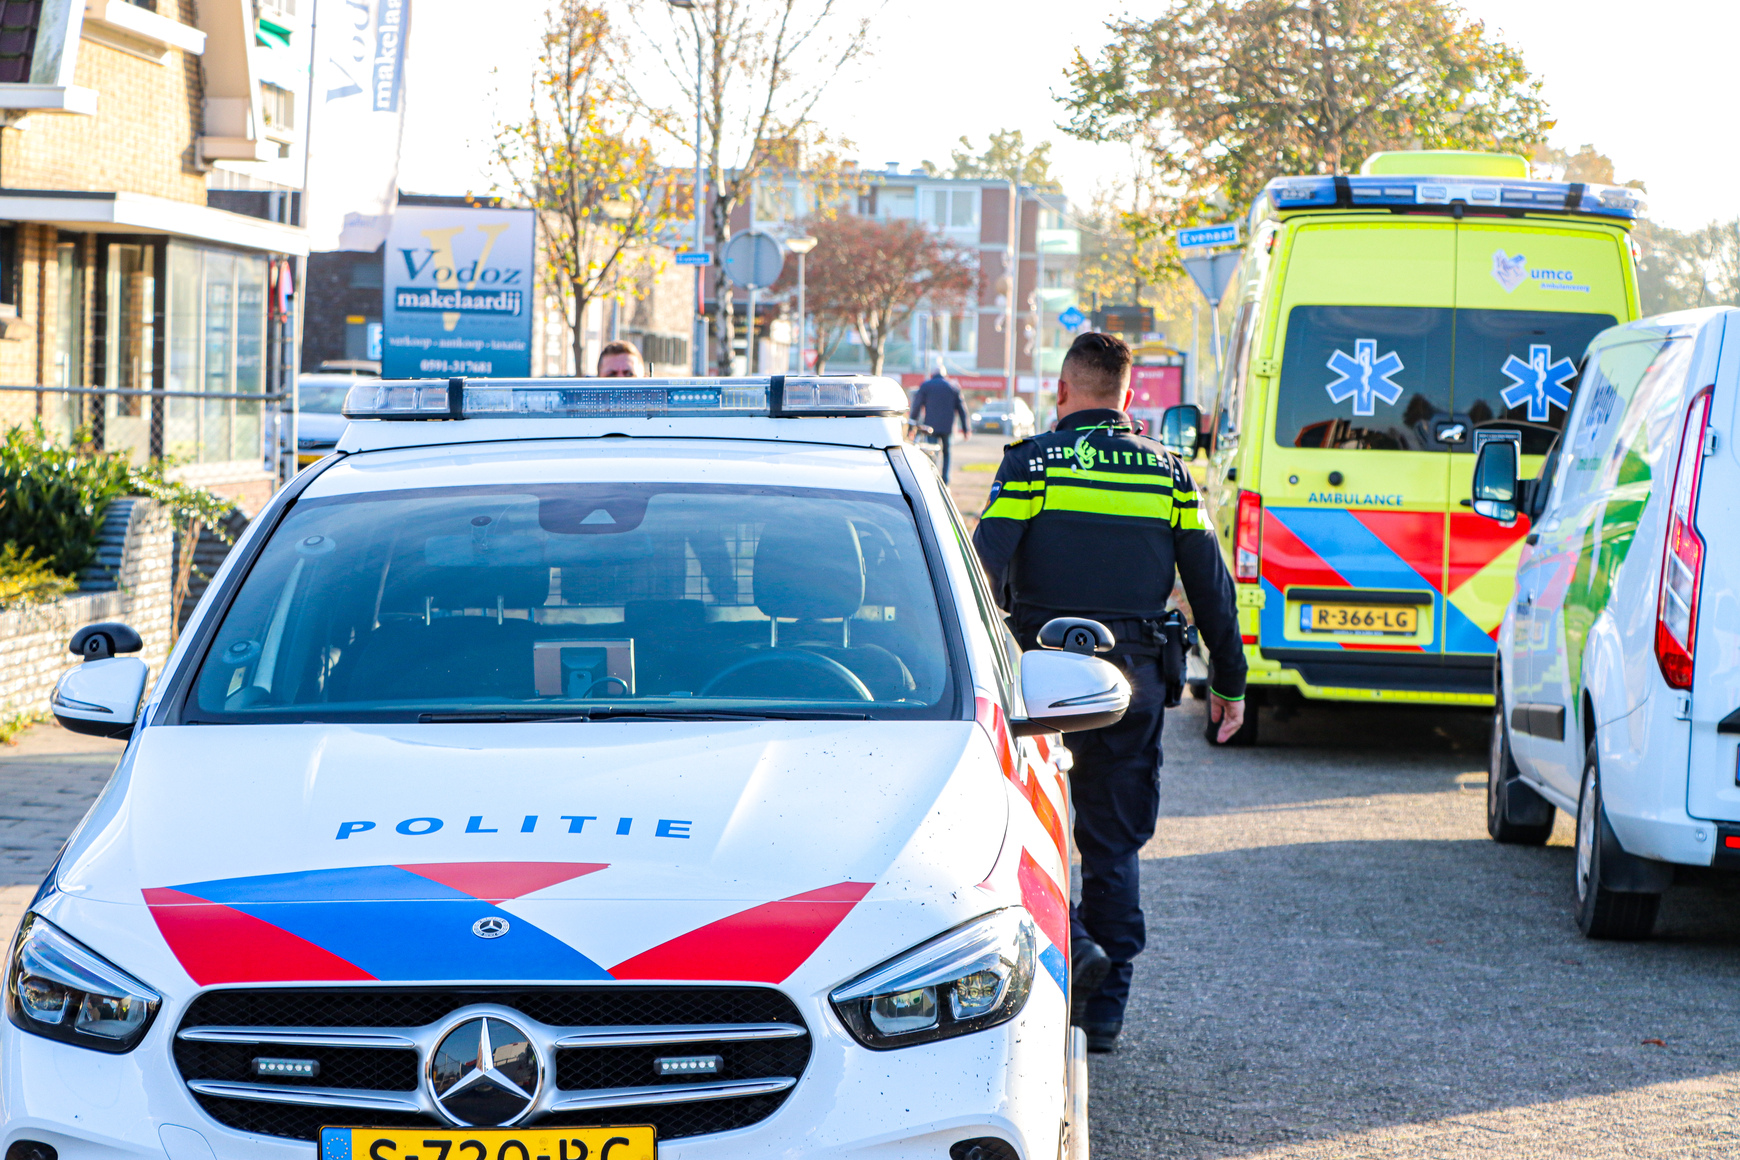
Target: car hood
631 850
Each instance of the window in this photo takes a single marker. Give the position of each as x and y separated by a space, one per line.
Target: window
1380 377
130 343
896 201
217 345
576 598
952 208
278 109
775 202
366 274
954 333
8 264
69 316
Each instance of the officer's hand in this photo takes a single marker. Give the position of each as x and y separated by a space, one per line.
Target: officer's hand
1230 714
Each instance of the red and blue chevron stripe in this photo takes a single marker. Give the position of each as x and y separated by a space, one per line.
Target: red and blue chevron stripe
414 923
1397 551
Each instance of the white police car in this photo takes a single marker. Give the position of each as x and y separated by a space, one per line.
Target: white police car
572 771
1619 658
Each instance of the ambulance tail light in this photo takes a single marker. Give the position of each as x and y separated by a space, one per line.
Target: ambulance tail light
1248 538
1682 565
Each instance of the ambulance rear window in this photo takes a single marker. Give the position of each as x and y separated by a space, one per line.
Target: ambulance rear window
1388 378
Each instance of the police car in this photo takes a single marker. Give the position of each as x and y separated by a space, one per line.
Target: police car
565 770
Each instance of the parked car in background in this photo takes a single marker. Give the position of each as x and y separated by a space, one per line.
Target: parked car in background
320 413
1618 699
1012 417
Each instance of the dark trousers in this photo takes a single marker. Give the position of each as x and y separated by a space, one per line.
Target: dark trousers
1115 785
946 443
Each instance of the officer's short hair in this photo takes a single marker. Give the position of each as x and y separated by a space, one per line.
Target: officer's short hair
1099 364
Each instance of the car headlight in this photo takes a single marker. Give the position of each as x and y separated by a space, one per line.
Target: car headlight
61 989
972 977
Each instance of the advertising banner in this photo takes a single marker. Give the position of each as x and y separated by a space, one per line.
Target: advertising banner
356 118
458 293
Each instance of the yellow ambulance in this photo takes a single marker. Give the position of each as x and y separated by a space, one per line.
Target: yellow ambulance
1384 327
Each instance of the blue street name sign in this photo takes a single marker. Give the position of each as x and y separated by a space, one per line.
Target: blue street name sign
1224 234
1072 318
694 258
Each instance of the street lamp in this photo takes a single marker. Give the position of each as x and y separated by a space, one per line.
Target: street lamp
800 247
699 330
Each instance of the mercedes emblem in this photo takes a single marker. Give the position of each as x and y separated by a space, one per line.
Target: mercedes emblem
492 927
484 1073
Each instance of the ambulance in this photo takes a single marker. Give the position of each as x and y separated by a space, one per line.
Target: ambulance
1385 327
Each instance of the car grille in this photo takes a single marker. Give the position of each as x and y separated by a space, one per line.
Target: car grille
761 1039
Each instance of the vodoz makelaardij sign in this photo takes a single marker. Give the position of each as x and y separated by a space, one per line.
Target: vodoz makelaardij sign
458 293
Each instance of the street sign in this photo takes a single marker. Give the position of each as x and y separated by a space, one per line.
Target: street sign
1072 318
753 258
1223 234
694 258
1212 273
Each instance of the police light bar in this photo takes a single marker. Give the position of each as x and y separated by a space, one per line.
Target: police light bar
1297 193
779 396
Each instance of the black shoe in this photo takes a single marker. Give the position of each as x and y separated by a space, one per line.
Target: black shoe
1088 968
1102 1038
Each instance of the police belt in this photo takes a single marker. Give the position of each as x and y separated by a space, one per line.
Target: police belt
1165 638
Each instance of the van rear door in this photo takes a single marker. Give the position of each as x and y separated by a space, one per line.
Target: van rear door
1529 297
1355 482
1714 781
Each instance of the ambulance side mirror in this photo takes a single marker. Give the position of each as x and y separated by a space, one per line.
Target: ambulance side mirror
1069 691
1181 430
1497 494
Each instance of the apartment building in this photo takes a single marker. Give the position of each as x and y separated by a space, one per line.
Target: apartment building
150 158
1011 228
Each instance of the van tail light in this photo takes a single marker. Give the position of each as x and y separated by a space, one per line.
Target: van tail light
1682 564
1248 540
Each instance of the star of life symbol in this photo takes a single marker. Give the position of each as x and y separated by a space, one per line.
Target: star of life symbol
1365 377
1540 382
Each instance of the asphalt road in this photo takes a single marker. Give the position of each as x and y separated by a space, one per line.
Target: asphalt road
1342 964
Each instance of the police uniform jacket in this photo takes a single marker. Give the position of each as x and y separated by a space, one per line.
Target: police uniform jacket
1094 520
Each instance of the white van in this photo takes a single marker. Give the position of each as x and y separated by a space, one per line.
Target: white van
1618 670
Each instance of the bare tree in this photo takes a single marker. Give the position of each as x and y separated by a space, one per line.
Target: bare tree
577 159
764 66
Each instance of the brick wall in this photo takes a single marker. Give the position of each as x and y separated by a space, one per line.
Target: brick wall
143 138
33 641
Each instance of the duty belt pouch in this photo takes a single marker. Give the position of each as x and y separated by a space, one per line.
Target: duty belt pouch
1175 637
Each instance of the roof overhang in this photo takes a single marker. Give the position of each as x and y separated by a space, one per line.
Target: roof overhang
138 213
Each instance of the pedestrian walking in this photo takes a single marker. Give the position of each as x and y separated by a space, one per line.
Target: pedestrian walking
936 403
1093 520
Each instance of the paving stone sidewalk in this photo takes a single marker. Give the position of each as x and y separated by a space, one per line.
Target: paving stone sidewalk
48 779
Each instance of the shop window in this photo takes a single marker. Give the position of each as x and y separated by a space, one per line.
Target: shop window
217 346
130 346
366 274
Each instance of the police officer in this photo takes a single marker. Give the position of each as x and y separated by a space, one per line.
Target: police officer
1090 520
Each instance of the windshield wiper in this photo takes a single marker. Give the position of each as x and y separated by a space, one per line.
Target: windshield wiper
611 713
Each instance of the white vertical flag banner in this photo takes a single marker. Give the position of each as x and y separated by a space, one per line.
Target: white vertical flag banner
357 106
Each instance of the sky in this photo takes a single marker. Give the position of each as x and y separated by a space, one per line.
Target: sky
1641 82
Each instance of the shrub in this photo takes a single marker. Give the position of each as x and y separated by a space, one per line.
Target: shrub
25 580
53 497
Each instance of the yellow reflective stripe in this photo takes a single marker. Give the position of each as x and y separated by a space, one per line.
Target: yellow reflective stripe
1008 507
1188 518
1150 480
1063 497
1023 485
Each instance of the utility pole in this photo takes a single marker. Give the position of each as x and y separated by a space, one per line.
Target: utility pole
1014 273
699 328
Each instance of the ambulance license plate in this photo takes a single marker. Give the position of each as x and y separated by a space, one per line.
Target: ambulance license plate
636 1142
1362 618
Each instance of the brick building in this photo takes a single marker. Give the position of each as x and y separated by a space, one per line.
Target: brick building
1007 226
149 164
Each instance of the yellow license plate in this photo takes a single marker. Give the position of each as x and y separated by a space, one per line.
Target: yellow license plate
1382 618
635 1142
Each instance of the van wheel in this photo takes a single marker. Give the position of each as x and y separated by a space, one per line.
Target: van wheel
1515 814
1602 912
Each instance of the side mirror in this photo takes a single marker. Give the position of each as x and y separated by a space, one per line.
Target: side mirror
1181 430
101 697
1066 692
1077 635
1496 494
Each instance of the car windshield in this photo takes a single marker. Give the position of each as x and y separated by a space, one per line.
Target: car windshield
590 600
321 399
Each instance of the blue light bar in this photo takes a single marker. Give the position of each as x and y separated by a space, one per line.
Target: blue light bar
1288 194
780 396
